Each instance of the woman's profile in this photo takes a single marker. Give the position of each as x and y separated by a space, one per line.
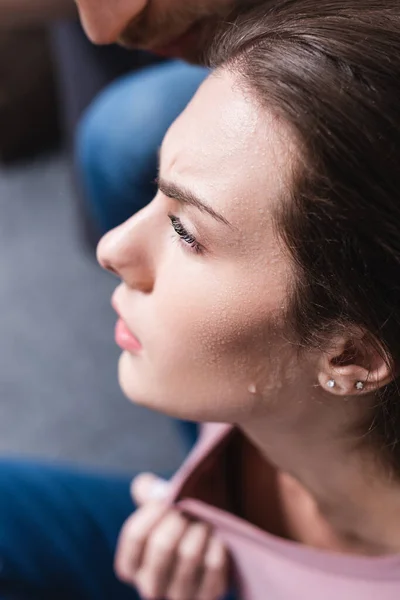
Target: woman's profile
260 291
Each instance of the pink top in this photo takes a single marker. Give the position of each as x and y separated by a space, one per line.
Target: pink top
271 568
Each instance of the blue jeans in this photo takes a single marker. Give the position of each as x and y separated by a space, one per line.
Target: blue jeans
119 137
58 533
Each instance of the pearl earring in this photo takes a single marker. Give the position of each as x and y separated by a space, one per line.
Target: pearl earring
331 383
359 385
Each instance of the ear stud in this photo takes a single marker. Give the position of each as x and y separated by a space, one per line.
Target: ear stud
331 383
359 385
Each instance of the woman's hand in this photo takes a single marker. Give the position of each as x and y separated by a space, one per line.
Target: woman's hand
164 554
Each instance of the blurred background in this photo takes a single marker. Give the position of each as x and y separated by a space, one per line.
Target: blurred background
65 147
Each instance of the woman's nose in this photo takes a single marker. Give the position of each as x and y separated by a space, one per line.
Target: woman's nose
124 251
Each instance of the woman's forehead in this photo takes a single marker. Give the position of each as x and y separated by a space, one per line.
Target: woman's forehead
226 142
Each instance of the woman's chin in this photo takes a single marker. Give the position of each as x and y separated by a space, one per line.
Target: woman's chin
139 389
130 381
143 389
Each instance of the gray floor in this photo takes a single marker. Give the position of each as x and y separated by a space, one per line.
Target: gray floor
59 394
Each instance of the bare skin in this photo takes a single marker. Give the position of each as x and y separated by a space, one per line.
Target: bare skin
165 555
205 290
171 27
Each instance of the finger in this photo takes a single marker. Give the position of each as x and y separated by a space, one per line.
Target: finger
214 584
146 487
189 562
132 540
160 554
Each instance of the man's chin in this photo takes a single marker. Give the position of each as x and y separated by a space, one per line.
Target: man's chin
189 46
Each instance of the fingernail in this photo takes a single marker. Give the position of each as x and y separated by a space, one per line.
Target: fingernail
159 489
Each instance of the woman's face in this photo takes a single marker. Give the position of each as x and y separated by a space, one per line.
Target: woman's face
204 290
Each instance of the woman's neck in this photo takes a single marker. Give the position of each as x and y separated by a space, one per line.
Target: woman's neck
328 497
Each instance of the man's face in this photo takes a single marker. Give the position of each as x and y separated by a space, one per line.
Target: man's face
171 27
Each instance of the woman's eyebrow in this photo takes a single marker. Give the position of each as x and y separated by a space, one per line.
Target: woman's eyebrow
185 196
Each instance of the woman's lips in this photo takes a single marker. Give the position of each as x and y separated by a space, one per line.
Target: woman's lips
125 338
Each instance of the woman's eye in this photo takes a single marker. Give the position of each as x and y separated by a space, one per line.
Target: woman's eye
184 234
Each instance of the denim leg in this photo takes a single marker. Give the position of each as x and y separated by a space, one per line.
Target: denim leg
58 533
119 136
189 432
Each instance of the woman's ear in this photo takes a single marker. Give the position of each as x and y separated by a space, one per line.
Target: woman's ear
354 366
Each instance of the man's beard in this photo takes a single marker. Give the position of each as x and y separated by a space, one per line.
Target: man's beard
155 28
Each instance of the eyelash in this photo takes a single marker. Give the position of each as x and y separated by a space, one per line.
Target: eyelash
184 234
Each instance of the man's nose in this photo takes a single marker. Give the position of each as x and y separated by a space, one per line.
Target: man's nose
125 252
104 20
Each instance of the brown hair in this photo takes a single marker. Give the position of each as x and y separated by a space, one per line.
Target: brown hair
331 69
